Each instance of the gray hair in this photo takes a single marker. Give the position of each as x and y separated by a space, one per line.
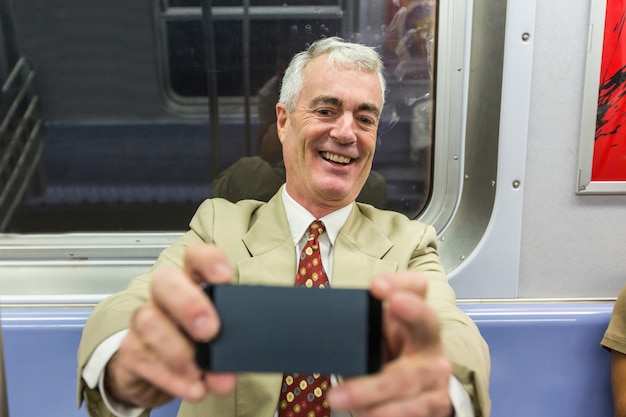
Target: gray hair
340 53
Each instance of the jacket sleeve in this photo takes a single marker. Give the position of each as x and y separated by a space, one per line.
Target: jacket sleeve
464 346
114 313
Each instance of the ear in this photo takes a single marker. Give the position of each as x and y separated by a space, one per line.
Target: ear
281 120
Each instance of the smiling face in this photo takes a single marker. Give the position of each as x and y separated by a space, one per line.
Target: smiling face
329 139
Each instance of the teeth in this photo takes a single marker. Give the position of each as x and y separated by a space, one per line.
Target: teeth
336 158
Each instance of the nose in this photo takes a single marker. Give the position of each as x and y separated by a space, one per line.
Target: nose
344 129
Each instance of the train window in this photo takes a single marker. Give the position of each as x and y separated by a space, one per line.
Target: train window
119 118
146 117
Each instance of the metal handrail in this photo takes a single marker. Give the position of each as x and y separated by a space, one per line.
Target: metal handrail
255 12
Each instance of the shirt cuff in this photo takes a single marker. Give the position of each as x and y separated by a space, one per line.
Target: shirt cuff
94 371
461 401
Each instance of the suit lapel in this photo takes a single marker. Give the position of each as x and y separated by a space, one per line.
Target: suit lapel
358 252
272 261
257 394
272 258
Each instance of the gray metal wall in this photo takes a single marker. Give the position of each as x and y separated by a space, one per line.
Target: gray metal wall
572 245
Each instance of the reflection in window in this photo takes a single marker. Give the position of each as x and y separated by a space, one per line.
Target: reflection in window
148 168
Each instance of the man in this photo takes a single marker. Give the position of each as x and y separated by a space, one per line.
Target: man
328 114
259 177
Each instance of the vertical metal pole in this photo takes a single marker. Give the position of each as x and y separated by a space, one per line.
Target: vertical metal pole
7 35
209 49
4 402
352 14
245 35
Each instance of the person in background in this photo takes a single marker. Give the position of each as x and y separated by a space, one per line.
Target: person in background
410 45
614 340
137 348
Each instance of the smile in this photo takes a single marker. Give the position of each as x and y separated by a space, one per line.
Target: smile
336 158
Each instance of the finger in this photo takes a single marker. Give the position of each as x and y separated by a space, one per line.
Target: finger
412 281
128 388
410 324
165 340
408 377
431 404
220 383
183 302
136 375
207 263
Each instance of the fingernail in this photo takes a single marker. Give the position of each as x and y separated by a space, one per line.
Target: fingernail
384 283
196 391
202 325
221 270
338 399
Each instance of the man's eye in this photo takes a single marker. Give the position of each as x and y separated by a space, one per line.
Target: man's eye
367 120
324 112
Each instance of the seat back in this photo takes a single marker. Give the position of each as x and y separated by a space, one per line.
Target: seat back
546 359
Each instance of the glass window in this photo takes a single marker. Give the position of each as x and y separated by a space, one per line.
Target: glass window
140 124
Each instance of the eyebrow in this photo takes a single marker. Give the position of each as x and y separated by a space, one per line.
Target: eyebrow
326 100
370 108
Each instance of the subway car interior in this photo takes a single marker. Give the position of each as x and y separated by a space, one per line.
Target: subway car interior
118 118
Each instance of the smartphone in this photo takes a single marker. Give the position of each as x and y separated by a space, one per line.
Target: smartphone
294 329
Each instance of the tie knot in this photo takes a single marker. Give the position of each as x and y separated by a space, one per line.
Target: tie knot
316 229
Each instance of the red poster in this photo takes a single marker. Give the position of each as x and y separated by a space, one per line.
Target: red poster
609 155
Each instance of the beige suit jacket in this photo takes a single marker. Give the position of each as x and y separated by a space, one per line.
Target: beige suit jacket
257 239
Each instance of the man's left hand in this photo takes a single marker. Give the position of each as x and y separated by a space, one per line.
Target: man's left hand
415 377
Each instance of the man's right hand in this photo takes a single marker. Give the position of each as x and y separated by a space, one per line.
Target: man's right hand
156 361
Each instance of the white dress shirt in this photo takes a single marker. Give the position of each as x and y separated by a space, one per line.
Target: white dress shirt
299 220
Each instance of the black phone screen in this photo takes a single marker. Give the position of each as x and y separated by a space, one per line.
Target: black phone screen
294 329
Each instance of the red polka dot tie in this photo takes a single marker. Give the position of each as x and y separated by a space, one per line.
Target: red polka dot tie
305 395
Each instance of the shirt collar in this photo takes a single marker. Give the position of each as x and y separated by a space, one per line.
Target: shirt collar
299 219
